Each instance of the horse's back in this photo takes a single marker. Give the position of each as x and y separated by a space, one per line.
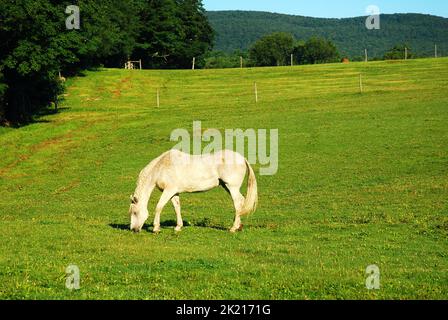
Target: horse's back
219 158
192 173
223 163
232 167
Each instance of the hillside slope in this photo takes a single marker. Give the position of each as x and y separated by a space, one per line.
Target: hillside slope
362 180
239 29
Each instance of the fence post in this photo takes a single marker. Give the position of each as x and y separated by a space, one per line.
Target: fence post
194 62
256 92
405 53
56 103
435 51
158 98
360 83
366 56
241 62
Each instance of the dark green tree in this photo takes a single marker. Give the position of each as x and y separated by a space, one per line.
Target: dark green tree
222 60
317 50
272 50
34 48
398 52
197 33
3 88
299 52
109 31
172 33
160 33
36 45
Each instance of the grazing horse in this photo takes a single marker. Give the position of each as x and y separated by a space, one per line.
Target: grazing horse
175 172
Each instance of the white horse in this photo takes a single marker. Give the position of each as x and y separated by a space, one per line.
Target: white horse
175 172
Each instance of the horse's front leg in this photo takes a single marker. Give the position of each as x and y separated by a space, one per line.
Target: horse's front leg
176 203
166 196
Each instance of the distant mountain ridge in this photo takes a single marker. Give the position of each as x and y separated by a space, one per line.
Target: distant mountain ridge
239 29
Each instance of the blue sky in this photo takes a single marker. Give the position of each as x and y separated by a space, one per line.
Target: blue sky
332 8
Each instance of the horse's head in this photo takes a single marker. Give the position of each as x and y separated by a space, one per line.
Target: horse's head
137 214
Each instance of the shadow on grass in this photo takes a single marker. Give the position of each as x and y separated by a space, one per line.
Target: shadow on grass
37 118
205 223
147 227
123 227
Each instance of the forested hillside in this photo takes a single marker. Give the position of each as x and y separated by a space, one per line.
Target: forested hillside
239 29
39 44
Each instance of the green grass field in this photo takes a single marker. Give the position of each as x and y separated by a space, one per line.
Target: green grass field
362 180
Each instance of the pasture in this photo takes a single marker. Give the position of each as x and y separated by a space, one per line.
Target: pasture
362 180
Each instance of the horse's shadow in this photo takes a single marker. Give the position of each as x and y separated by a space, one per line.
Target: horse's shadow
170 224
117 226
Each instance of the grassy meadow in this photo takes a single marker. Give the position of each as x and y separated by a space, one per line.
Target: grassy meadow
362 180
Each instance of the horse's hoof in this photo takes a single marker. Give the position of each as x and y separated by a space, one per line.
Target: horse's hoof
178 229
235 230
156 231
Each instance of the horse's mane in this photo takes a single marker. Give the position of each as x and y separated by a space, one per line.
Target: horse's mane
146 175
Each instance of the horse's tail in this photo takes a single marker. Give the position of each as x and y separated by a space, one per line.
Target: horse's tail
251 201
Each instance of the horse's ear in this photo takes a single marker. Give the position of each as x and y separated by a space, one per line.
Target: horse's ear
134 199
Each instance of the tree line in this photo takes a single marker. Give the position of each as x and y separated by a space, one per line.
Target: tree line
37 46
275 49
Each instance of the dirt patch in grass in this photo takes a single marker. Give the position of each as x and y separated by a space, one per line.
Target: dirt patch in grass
64 140
124 84
91 99
116 94
36 148
73 184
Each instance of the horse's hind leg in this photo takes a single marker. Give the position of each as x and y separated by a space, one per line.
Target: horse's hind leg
238 201
176 203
